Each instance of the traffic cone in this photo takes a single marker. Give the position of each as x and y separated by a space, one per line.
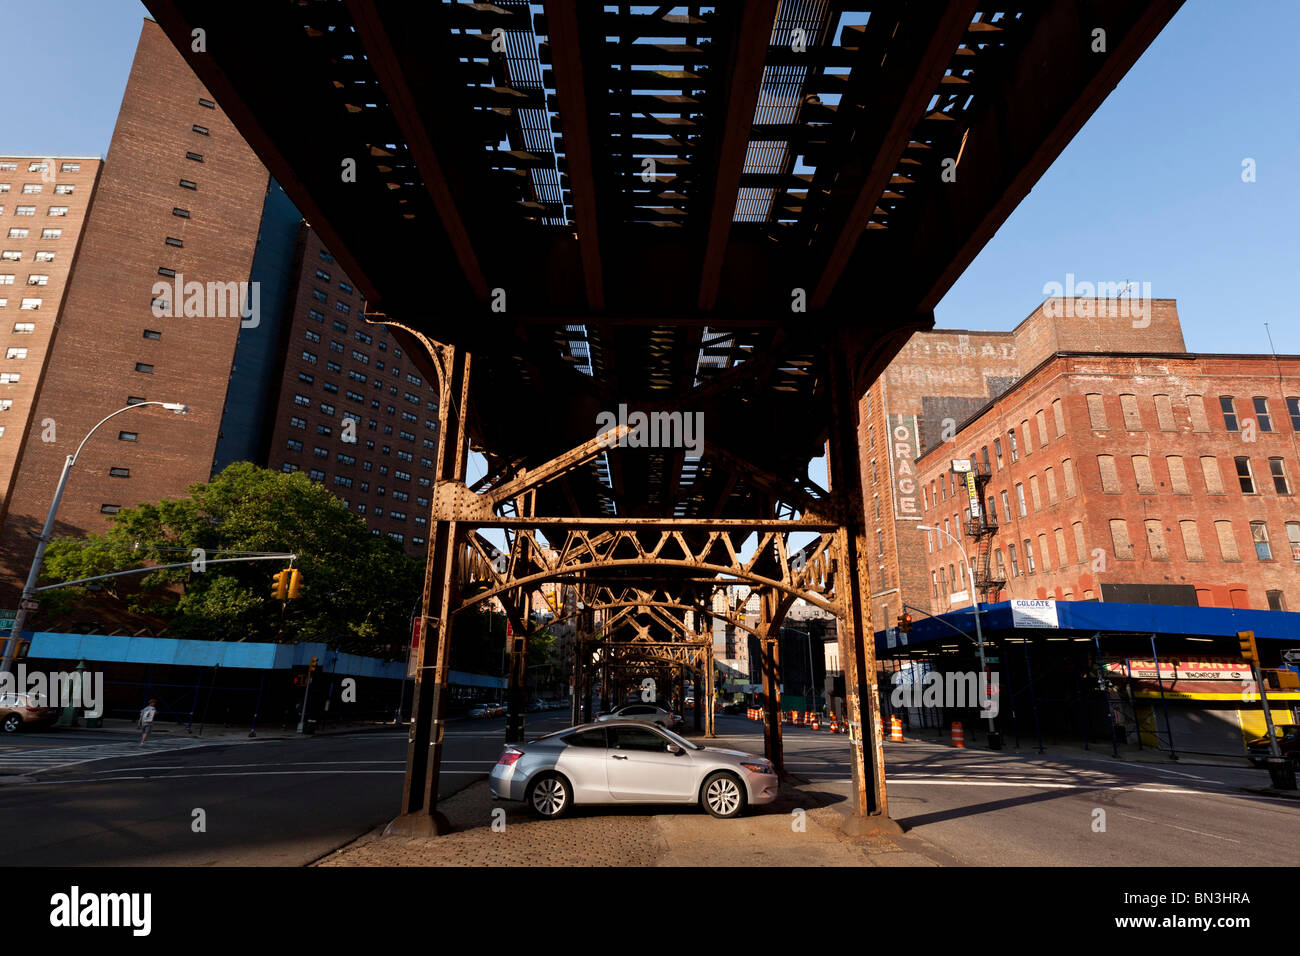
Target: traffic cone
958 735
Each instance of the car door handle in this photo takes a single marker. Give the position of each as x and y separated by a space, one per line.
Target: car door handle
619 756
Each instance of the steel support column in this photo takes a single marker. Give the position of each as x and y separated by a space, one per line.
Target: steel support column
429 705
770 644
857 646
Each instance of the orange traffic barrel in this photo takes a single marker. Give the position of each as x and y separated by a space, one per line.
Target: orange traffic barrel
958 735
835 723
798 719
844 724
814 721
895 729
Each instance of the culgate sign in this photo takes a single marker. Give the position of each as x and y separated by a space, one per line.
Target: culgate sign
1034 614
903 450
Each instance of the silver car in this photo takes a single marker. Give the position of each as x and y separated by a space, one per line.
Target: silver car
624 761
649 713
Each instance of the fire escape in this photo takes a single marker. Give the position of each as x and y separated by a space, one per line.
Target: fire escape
982 528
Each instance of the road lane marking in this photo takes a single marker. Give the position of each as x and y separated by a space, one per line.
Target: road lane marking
1134 816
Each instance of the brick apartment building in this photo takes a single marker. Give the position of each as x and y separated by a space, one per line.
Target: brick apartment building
182 198
343 377
1156 478
43 205
940 379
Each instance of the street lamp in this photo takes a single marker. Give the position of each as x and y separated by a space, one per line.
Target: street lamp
975 605
28 601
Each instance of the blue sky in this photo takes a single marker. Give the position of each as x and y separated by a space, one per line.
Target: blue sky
1149 191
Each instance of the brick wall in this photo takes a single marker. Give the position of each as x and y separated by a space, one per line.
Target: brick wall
92 368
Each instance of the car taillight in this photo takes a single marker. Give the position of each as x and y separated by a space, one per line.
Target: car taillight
509 756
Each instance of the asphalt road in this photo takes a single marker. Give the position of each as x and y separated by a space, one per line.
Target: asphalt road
289 802
263 802
1010 808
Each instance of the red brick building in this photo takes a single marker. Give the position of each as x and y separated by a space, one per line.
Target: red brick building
352 410
1152 478
943 377
44 201
180 193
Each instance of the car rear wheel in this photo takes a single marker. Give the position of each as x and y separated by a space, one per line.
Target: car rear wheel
11 723
723 795
550 796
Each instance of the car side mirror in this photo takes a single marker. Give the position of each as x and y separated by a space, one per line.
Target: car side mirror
674 749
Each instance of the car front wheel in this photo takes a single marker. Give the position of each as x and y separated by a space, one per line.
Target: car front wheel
723 795
550 796
11 723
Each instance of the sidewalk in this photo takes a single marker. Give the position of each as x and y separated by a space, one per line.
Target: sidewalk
127 726
1096 750
773 835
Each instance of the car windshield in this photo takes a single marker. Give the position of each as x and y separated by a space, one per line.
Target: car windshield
680 741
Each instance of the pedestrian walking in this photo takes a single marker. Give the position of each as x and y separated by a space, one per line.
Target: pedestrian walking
145 723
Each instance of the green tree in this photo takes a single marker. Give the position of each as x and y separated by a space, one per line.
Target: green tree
359 589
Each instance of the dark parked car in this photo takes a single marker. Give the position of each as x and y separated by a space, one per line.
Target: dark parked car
1288 742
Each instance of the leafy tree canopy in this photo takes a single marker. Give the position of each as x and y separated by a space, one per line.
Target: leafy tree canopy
358 589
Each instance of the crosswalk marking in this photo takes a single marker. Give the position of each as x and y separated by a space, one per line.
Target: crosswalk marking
17 760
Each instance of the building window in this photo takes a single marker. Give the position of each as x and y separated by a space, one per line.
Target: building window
180 213
1080 548
1020 500
119 472
1213 477
44 256
188 184
1156 540
316 475
109 509
1132 418
315 316
1146 483
1262 419
1096 411
312 336
15 352
25 211
1229 416
345 287
1109 475
309 358
1293 409
304 377
63 189
1227 541
1120 540
1029 557
1015 562
144 367
1276 600
1244 476
1011 444
201 130
322 275
296 422
1061 558
1293 536
288 468
10 378
70 168
207 104
1277 468
1177 475
1191 540
1259 535
18 232
194 157
128 436
24 328
152 334
12 255
57 211
293 445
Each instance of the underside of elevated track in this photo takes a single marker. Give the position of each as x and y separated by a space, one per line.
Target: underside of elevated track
730 214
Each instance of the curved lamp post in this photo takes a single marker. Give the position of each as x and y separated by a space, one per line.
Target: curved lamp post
29 590
975 604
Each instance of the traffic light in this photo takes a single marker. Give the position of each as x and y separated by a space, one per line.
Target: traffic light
1248 650
905 623
295 584
280 585
312 666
